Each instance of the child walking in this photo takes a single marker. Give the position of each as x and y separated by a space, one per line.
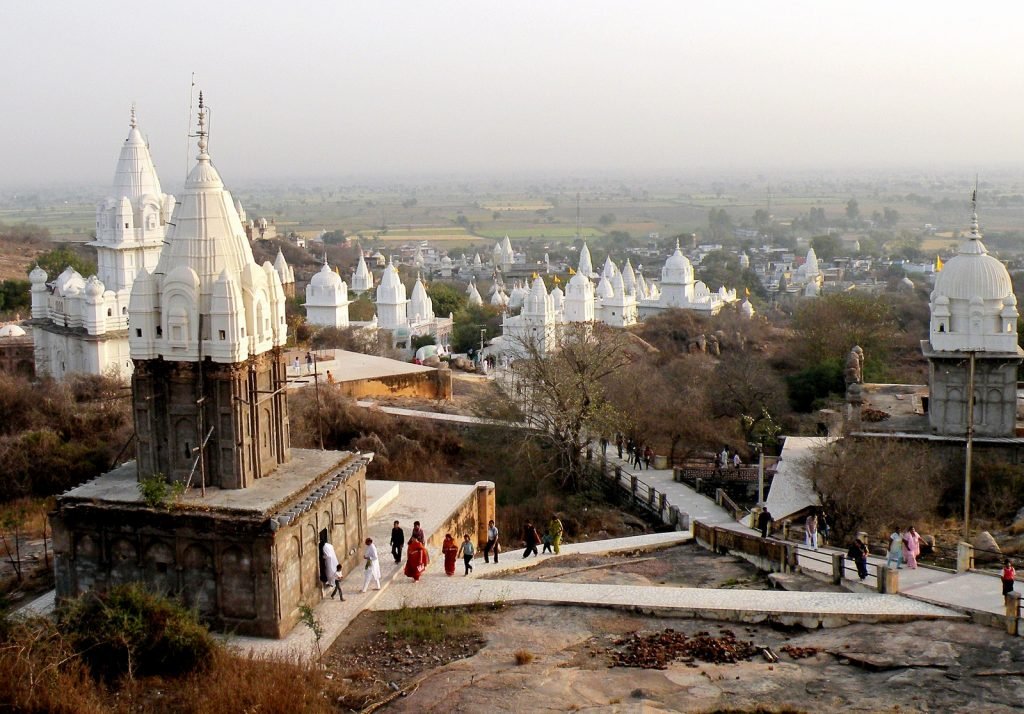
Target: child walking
466 551
1007 577
337 584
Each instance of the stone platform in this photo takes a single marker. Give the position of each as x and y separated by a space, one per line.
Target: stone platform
245 559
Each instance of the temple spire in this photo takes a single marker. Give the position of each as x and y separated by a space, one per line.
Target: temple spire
975 233
131 121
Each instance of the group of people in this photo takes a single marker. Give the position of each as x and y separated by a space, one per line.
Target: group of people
638 454
417 558
724 459
903 548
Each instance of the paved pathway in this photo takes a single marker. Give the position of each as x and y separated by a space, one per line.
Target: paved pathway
810 609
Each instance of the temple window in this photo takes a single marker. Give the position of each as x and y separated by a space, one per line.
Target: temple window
138 332
110 312
159 331
223 335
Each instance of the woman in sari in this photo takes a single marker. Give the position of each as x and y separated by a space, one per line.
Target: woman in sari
416 559
451 552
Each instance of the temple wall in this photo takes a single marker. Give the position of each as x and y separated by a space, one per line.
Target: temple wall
995 396
245 574
426 385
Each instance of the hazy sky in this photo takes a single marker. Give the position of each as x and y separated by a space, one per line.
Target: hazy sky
331 88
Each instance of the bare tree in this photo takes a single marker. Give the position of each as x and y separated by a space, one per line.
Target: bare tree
874 485
559 379
743 386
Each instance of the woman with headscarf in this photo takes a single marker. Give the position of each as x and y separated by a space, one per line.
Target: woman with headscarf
911 547
328 560
895 554
416 559
451 552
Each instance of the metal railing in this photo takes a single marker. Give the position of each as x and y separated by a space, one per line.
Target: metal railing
646 496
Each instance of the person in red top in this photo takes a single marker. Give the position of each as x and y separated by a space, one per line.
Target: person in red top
450 551
416 559
1007 577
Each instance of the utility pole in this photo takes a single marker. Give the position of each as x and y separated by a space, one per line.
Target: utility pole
316 389
970 450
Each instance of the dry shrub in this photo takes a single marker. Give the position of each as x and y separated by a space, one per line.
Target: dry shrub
40 672
523 657
254 684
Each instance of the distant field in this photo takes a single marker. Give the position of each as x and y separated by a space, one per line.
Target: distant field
62 221
540 231
518 206
414 237
929 245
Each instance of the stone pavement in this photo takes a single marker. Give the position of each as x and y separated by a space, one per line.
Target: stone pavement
809 609
699 507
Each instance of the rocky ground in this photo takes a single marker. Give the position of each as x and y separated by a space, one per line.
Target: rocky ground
527 658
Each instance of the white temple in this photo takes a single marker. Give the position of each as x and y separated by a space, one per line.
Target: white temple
619 299
82 325
972 344
407 318
206 298
503 257
362 278
327 299
284 271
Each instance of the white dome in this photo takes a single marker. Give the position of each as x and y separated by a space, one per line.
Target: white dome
325 278
12 331
973 273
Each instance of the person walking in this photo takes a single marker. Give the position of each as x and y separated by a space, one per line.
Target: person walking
618 444
555 530
911 547
858 553
418 534
764 521
337 584
546 542
811 531
309 363
604 445
492 542
450 552
736 460
895 553
328 560
371 567
466 550
416 559
638 454
397 542
648 456
295 366
1007 576
531 539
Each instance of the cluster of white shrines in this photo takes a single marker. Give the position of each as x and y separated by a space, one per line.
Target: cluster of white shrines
82 324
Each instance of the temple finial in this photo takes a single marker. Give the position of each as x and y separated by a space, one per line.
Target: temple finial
975 232
131 121
202 126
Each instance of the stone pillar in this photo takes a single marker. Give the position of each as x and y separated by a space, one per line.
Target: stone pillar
888 580
837 568
964 557
485 508
1012 603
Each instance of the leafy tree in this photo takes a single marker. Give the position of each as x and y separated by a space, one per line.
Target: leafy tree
890 217
762 219
14 295
721 268
361 309
827 328
819 381
719 224
447 299
422 341
55 260
606 219
826 247
468 323
853 210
